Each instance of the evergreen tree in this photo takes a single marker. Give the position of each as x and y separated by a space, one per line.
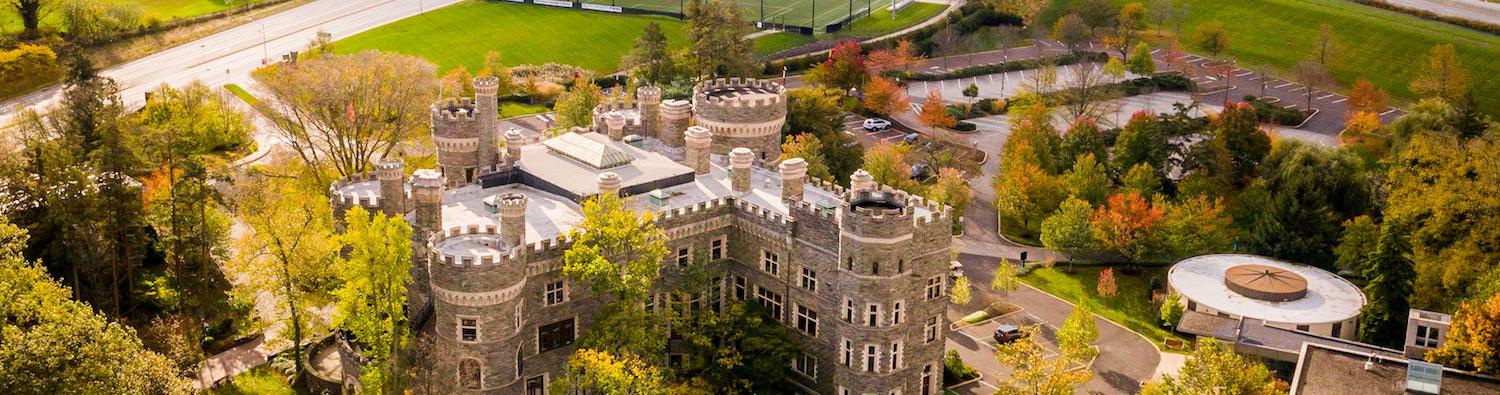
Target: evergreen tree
649 60
1390 275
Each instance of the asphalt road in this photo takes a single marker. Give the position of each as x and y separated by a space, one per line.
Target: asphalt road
1475 10
230 55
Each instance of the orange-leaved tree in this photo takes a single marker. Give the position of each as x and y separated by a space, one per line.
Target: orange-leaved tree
884 97
935 111
1124 225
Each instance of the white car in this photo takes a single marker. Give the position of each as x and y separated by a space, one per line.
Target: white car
874 124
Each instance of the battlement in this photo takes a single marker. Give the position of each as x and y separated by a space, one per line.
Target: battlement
827 185
453 110
340 193
761 213
720 92
648 94
672 214
486 86
467 245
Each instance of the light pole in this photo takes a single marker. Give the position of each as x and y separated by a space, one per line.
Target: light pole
264 53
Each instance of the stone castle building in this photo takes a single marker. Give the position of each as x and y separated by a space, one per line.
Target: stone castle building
859 274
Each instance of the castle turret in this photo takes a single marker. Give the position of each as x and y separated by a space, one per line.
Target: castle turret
674 116
392 175
614 122
648 98
487 113
699 142
742 113
793 176
513 142
861 180
740 160
426 222
609 183
456 135
512 211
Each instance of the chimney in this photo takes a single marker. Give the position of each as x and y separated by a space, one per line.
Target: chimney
616 124
740 160
512 209
861 180
793 175
392 175
609 183
699 141
513 142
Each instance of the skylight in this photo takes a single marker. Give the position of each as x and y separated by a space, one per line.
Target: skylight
586 150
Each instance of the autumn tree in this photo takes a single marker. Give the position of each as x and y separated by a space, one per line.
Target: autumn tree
844 69
1294 209
1028 10
935 111
31 13
887 164
371 303
617 254
1472 339
1365 97
961 292
817 110
1325 45
1033 140
902 56
1140 61
1037 373
1141 179
1105 286
1005 279
345 111
1078 333
731 346
1088 179
1025 195
576 106
952 190
1141 142
1083 137
458 82
650 60
1069 231
1171 310
1238 130
1124 225
494 66
1389 276
807 147
716 41
1071 31
1442 76
882 96
1195 226
1360 238
1214 368
590 371
1212 38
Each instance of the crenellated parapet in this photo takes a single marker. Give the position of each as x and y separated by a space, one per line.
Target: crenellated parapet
742 112
361 189
718 92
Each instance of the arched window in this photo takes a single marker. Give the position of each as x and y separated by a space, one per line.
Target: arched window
470 373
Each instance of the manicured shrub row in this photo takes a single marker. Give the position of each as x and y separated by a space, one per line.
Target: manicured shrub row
1272 113
1010 66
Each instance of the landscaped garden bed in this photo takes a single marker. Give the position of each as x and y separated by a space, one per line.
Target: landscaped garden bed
1269 110
1133 306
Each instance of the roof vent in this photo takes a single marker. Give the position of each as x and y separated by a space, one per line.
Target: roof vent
659 197
1424 377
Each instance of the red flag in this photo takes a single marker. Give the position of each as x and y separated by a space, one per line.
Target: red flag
351 112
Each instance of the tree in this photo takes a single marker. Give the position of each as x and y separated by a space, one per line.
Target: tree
1325 45
1033 140
288 252
576 106
1106 286
952 190
1078 333
31 13
1311 75
1168 12
1214 368
494 66
1442 76
902 56
817 111
1141 141
1140 62
1069 231
884 97
715 40
1473 339
650 60
1131 21
617 253
947 42
962 292
346 111
590 371
807 147
1025 195
1195 226
1238 129
1294 210
1212 38
1082 95
458 82
1005 280
935 111
737 348
1035 373
1141 179
1365 97
1124 225
1071 31
1171 310
971 92
1361 237
844 69
1114 69
887 164
1084 137
1390 274
1088 180
1028 10
193 120
372 300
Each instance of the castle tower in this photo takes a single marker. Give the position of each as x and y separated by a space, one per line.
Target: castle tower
793 177
427 221
392 175
512 210
513 142
861 180
455 133
614 122
893 269
487 113
699 142
675 115
742 113
740 160
648 98
477 309
609 183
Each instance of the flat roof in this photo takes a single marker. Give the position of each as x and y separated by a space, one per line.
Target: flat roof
581 179
1323 369
547 215
1329 298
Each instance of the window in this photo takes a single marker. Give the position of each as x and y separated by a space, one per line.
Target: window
1338 327
770 262
674 361
895 355
739 287
934 287
684 256
849 264
557 292
536 385
1426 337
872 353
770 300
717 248
896 310
843 391
931 329
555 335
1303 328
715 289
849 310
900 266
470 374
651 303
806 320
809 279
872 314
927 379
519 319
874 268
848 352
468 329
805 364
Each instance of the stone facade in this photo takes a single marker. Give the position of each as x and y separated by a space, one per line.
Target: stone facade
860 275
738 112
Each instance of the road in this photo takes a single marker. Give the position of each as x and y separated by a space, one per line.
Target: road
230 55
1474 10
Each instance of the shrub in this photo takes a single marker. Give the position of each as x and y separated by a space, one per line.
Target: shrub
26 67
954 369
1015 65
965 127
1272 113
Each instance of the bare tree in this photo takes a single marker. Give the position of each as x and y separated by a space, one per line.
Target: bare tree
1311 75
948 42
347 111
1081 93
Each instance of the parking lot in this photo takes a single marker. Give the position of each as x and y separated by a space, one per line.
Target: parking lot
977 346
854 125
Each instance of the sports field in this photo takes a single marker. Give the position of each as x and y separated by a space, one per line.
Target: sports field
806 13
460 34
879 23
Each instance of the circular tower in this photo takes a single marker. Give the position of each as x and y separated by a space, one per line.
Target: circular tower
487 113
648 99
477 282
674 118
512 210
456 136
392 175
742 113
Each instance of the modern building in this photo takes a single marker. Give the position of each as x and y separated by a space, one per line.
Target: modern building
1332 370
858 273
1279 294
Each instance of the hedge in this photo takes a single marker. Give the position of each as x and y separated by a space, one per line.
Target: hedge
1005 67
1272 113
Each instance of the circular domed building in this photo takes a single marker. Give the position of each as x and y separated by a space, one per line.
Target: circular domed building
1282 294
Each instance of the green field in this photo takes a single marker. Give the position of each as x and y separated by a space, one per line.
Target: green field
806 13
879 23
460 34
1385 47
1131 307
163 10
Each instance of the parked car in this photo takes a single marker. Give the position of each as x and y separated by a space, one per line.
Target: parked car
874 124
1007 333
911 138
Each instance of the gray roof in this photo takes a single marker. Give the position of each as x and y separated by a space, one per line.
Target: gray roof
1324 369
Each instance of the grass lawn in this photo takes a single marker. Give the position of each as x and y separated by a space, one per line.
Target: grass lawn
163 10
1388 48
1132 307
460 34
512 109
258 381
879 23
241 93
776 42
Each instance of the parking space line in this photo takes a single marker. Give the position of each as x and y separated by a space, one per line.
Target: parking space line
1340 100
1243 73
1253 78
1327 96
1387 112
1282 85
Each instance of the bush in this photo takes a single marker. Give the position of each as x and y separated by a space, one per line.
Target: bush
954 369
27 67
1010 66
965 127
990 106
1272 113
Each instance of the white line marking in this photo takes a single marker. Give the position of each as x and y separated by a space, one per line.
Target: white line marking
1282 85
1326 96
1253 78
1154 51
1341 100
1243 73
1387 112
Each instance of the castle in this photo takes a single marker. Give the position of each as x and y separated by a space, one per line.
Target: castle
858 274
